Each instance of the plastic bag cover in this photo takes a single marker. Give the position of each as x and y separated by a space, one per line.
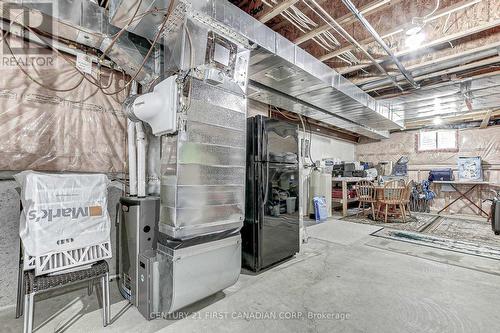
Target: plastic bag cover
79 130
471 143
62 211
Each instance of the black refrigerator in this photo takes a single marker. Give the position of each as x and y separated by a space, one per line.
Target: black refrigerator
270 233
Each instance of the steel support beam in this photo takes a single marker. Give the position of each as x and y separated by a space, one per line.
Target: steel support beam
439 41
434 65
330 21
381 42
457 117
453 69
399 29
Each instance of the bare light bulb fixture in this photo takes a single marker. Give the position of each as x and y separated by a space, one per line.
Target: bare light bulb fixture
414 41
414 29
414 33
437 121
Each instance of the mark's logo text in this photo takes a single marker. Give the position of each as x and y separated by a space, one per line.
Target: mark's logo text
73 213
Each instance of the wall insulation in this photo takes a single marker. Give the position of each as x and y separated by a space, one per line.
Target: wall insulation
79 130
471 142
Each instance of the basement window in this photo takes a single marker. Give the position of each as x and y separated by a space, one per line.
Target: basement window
439 140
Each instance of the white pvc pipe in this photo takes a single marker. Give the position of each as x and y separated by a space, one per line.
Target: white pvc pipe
141 160
153 165
132 158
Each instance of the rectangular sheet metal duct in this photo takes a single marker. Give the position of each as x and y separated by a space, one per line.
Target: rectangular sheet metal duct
86 23
448 97
264 94
276 62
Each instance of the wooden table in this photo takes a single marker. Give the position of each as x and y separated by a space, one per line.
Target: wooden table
345 181
465 194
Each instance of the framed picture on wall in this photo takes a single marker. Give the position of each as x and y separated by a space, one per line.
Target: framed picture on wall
469 169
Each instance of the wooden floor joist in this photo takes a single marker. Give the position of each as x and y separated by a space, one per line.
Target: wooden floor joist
368 9
275 11
439 41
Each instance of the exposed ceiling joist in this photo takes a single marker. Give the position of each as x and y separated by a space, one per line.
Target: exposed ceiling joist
455 118
381 42
449 98
440 13
371 8
448 61
275 11
449 105
454 69
486 119
442 40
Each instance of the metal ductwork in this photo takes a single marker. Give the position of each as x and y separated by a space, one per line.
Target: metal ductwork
359 15
266 95
86 23
121 14
275 63
200 114
449 98
485 52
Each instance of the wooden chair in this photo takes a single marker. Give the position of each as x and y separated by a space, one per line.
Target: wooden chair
393 195
406 197
366 194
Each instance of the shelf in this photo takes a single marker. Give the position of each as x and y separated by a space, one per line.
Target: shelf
350 179
339 200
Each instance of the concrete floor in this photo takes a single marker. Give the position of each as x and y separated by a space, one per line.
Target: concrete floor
344 280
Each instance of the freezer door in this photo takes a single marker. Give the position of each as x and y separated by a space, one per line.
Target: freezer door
282 141
256 140
278 227
271 140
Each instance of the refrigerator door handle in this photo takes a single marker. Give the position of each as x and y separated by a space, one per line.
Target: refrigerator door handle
264 201
265 142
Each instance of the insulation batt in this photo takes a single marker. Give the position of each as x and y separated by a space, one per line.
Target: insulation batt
40 129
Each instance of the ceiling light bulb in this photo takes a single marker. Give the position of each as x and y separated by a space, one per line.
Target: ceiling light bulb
414 41
415 29
438 121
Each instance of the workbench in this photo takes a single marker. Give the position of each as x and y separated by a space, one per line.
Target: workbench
345 200
464 194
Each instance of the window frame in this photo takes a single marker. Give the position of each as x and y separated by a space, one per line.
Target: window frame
437 149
